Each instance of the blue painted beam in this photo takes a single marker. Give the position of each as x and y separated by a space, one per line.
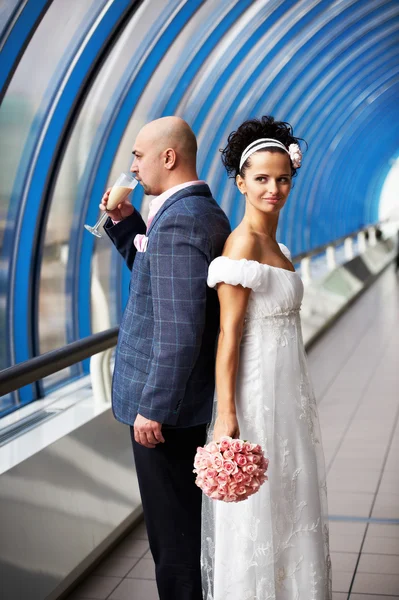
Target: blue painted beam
13 46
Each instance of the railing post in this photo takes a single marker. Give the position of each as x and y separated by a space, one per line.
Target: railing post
100 374
306 273
372 236
348 247
361 240
331 260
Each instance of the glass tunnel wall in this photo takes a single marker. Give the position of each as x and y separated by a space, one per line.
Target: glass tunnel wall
82 76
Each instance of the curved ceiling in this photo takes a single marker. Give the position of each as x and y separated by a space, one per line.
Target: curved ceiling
330 68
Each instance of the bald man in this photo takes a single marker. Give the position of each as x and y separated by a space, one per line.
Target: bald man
163 382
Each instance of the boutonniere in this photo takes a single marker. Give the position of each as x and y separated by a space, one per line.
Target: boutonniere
141 242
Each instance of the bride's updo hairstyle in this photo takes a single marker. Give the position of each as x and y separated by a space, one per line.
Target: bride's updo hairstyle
258 129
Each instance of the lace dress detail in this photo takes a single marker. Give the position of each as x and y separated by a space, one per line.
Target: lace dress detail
273 546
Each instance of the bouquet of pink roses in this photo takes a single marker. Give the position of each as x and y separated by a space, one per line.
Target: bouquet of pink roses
230 470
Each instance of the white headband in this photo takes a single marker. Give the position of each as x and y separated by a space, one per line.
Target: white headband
293 151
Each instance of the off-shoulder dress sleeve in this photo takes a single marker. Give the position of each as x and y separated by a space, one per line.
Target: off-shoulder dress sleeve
247 273
285 251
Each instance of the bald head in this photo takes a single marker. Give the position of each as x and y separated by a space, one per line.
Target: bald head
166 152
171 132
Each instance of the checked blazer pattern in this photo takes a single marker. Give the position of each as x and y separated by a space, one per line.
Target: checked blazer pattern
165 357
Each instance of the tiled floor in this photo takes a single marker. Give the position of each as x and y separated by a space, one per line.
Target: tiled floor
355 370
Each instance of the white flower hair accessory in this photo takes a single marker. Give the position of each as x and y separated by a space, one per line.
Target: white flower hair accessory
295 155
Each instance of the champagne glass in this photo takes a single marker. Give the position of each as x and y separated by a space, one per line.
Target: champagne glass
122 187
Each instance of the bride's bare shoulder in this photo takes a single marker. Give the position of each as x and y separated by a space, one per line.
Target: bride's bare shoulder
242 243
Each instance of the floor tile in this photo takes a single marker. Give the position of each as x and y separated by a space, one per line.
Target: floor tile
389 485
347 543
135 589
144 569
341 581
371 597
351 481
140 532
116 566
353 528
346 537
386 506
381 545
357 463
382 530
348 450
344 561
350 504
131 547
379 563
95 587
376 584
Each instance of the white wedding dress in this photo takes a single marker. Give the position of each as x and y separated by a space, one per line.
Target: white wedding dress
274 545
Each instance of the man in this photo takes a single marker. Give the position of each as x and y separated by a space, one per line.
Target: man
163 381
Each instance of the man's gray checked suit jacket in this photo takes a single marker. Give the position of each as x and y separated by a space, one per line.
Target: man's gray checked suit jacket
165 357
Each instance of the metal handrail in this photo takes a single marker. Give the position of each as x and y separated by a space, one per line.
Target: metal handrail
337 242
32 370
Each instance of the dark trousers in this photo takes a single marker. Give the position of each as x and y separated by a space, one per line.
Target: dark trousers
172 510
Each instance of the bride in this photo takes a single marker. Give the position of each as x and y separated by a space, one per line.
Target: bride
274 545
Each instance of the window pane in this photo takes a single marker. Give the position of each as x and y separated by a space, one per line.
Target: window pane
22 112
68 194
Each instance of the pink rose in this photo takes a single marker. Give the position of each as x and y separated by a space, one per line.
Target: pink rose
238 477
216 495
223 478
224 443
210 480
202 463
231 498
199 460
241 490
247 447
212 473
250 469
256 448
207 489
212 447
256 459
237 446
230 467
240 459
217 461
228 455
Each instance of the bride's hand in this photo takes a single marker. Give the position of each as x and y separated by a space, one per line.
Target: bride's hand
226 424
